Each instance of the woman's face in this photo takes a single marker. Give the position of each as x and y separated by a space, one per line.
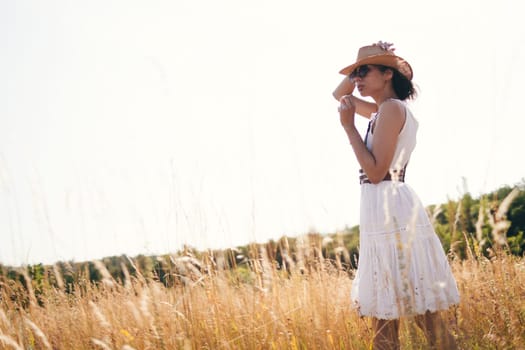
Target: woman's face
368 79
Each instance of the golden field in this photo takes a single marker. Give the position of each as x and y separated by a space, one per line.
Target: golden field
259 307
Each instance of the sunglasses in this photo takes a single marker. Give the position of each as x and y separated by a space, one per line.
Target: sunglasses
360 72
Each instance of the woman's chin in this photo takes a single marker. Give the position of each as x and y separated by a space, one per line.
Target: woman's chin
362 91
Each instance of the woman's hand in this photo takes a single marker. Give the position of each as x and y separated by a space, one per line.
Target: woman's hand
362 107
347 112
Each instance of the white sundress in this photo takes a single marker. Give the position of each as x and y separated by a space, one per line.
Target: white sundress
402 267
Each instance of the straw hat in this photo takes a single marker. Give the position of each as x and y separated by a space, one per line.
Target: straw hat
383 54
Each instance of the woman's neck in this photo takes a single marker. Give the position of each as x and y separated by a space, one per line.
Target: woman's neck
384 95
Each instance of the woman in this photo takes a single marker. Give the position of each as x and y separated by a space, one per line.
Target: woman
402 269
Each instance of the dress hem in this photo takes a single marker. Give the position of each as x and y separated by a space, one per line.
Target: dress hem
405 315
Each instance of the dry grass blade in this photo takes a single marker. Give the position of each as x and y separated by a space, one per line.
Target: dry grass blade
137 271
505 203
38 332
499 221
434 215
10 342
99 316
100 343
127 276
479 222
3 318
29 286
58 276
107 279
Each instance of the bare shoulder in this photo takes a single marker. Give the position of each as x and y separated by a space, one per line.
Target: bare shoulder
392 114
392 109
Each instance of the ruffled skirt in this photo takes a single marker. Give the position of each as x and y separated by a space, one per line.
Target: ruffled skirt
402 268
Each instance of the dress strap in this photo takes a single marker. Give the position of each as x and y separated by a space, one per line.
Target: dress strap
368 130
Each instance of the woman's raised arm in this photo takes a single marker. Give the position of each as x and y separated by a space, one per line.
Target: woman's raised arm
362 107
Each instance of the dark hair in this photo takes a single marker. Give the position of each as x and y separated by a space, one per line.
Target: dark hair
403 87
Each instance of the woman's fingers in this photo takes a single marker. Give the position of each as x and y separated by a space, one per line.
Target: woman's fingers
345 103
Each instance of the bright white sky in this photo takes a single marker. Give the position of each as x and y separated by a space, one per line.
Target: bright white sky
138 126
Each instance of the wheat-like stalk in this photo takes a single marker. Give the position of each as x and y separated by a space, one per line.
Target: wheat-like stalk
10 342
38 332
99 316
100 343
4 322
107 279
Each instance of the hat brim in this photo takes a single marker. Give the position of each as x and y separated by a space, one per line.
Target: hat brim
392 61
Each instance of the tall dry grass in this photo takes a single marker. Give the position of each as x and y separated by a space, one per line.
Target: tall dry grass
262 308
